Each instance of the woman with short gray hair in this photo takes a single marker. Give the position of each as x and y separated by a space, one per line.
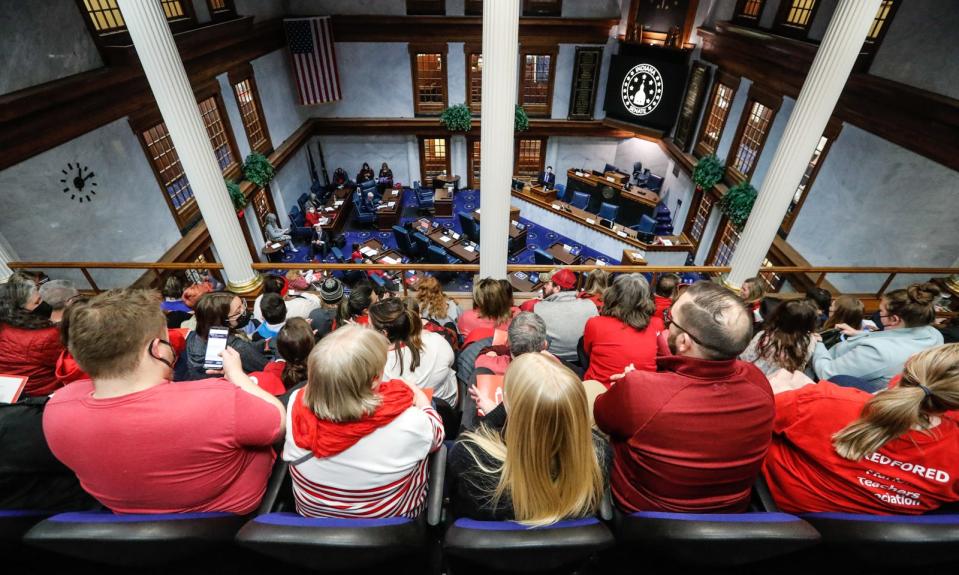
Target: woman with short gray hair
274 233
625 331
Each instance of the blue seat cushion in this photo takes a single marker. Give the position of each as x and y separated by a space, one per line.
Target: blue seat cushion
333 543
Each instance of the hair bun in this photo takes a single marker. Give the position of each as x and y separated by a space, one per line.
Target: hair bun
924 293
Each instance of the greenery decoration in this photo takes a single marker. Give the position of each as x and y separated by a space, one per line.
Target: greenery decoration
522 120
258 169
239 202
457 118
707 172
738 202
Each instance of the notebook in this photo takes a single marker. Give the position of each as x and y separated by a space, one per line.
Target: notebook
11 386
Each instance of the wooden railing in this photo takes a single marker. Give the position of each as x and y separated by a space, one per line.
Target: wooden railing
819 273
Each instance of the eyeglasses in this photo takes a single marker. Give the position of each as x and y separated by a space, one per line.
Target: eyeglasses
668 319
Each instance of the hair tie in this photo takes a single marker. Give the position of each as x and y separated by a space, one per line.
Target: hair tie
925 390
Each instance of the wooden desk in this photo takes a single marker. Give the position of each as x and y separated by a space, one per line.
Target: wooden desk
393 257
594 185
337 210
375 245
522 283
562 256
273 251
436 236
593 262
443 203
513 214
441 181
547 195
592 220
459 250
518 236
389 216
633 258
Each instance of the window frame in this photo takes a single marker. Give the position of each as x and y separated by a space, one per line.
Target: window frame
757 95
870 47
537 50
416 50
226 13
555 11
121 36
700 197
731 82
470 50
236 77
724 225
426 7
426 181
744 19
831 132
472 163
797 31
517 144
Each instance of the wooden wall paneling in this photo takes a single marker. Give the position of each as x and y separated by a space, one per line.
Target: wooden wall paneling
370 28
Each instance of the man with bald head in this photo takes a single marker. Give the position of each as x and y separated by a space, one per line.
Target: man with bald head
691 437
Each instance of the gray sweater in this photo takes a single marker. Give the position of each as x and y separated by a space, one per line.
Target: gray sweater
565 316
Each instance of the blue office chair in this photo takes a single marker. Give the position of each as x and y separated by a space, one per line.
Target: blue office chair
542 258
337 254
420 243
403 241
301 201
425 198
654 182
436 255
608 211
369 186
362 214
646 228
298 227
469 226
580 200
610 168
346 544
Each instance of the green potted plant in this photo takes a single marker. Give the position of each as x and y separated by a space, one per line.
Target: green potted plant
258 169
522 120
738 202
707 172
239 202
457 118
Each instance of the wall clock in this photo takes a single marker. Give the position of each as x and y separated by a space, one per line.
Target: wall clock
78 181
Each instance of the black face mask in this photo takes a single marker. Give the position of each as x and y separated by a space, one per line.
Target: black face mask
43 310
242 319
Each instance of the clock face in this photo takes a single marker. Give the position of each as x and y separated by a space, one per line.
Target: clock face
78 181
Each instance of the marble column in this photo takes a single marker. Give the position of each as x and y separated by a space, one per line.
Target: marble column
5 256
500 46
164 70
827 76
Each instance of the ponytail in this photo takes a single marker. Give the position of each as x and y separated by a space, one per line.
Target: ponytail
294 344
415 339
402 326
929 385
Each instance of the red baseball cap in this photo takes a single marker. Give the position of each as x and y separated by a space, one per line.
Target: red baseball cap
564 278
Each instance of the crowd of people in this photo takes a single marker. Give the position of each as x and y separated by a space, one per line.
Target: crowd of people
672 397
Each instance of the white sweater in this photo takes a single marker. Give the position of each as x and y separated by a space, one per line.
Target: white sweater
435 371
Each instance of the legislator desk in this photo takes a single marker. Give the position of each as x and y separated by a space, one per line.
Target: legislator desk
463 251
633 202
372 248
389 257
545 194
513 214
273 251
518 236
443 203
522 282
335 212
562 255
445 180
388 215
592 220
634 258
444 237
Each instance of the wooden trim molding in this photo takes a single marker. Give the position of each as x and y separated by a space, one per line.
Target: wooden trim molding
918 120
370 28
432 128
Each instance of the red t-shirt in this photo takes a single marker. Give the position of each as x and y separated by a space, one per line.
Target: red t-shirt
910 475
271 378
689 438
173 448
470 320
612 345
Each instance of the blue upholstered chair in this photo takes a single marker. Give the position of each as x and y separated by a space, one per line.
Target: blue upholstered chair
646 228
654 182
436 255
337 254
403 241
580 200
610 168
608 211
345 544
425 198
301 201
421 243
298 227
362 213
542 258
370 186
469 225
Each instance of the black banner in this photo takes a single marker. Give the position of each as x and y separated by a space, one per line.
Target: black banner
645 85
585 74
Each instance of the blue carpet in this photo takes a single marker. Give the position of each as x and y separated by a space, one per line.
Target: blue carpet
463 201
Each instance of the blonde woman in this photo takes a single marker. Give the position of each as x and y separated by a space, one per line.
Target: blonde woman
896 452
434 305
596 283
358 445
546 465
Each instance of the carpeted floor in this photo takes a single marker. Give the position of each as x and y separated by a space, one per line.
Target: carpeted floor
463 201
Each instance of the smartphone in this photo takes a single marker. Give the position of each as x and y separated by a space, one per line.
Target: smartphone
215 344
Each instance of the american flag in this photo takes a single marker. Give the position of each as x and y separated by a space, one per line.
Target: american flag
314 60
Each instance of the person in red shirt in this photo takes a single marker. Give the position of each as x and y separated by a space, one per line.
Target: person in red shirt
691 437
665 291
624 332
841 449
29 341
492 310
140 443
595 285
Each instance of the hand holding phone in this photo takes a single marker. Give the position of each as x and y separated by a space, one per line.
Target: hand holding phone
215 344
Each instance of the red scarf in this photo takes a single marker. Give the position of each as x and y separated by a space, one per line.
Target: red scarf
326 438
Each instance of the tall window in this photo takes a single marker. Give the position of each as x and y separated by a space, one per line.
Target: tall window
754 127
748 11
434 158
809 176
170 172
536 88
474 163
530 153
429 81
697 221
474 81
426 7
721 100
724 245
251 112
542 7
104 16
221 9
887 9
215 129
795 17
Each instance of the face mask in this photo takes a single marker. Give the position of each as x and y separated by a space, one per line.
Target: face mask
242 320
43 310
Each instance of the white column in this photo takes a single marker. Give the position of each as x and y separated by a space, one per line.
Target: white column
5 257
168 80
817 99
413 160
500 46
